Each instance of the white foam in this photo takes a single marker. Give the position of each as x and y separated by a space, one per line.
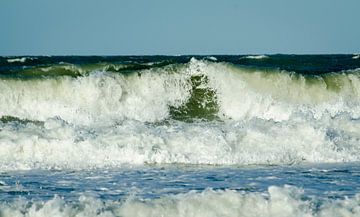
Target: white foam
61 145
244 95
240 94
211 58
21 60
104 97
276 202
357 56
107 119
256 57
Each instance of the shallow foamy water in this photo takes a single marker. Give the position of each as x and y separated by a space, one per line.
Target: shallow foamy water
307 190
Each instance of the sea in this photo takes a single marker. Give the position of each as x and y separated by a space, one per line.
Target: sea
191 136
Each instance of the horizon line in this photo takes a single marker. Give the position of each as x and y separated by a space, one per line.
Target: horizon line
174 55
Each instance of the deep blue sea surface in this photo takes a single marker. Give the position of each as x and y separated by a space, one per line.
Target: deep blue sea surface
248 135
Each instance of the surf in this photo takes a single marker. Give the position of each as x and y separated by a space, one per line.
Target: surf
199 112
277 201
218 90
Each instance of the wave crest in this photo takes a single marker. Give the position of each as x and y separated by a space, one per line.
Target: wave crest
176 91
284 201
198 113
256 57
60 145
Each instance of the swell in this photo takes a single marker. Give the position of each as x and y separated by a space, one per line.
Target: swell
75 70
303 64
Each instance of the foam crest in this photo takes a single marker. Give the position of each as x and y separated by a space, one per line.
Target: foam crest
256 57
151 95
284 201
109 119
21 60
243 94
57 144
98 97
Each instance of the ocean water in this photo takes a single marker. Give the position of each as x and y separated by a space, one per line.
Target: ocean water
249 135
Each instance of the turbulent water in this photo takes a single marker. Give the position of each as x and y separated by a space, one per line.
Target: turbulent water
141 135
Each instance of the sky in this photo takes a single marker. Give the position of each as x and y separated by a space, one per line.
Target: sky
169 27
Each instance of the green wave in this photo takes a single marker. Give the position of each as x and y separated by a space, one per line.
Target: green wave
202 103
73 70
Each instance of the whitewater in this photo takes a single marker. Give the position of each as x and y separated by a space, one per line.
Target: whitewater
180 136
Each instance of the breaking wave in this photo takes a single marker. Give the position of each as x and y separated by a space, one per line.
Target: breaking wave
21 60
55 144
153 94
201 112
256 57
278 201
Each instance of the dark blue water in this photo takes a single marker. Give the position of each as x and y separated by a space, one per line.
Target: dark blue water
304 64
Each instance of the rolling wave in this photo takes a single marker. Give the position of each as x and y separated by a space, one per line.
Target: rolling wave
55 144
256 57
199 87
21 60
278 201
201 112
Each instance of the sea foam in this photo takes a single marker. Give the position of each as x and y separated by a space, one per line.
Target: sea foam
240 94
284 201
60 145
97 97
106 119
21 60
256 57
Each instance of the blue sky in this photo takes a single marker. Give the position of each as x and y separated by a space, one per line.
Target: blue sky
145 27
